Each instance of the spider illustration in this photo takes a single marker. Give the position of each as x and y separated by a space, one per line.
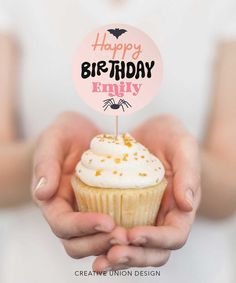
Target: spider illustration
110 102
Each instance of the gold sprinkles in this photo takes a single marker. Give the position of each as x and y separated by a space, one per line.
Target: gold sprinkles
128 143
125 157
102 160
114 172
127 140
142 174
109 137
98 172
117 160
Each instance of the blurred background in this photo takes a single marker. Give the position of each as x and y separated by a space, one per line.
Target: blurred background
38 42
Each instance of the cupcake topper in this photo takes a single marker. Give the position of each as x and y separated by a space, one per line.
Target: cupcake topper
117 70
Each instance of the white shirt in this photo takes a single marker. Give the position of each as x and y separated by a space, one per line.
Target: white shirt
48 32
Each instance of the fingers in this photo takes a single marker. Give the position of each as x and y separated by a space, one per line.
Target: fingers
178 149
172 235
186 167
46 179
47 164
87 246
78 224
119 236
120 257
164 237
58 149
80 232
67 224
95 244
101 264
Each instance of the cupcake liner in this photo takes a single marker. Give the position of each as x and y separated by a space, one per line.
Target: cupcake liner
128 207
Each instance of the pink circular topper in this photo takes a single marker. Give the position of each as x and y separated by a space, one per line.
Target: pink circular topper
118 69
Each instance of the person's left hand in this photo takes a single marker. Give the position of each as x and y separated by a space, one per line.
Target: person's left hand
166 138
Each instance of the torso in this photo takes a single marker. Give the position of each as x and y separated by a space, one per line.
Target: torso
48 33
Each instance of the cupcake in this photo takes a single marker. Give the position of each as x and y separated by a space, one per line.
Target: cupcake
120 177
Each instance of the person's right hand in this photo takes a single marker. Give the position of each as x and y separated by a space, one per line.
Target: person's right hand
57 151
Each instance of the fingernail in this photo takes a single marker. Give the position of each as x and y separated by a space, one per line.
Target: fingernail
139 241
41 183
123 260
102 228
114 242
107 268
189 196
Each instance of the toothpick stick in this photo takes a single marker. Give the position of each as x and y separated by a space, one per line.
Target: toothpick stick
117 127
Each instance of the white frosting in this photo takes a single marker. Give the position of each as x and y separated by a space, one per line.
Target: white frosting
119 163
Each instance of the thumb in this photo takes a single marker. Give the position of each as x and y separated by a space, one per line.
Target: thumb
185 190
46 179
187 178
47 165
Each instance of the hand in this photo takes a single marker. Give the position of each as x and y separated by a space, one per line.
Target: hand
57 151
166 138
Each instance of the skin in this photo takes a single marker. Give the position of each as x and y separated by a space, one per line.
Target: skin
152 245
54 154
8 59
12 151
218 152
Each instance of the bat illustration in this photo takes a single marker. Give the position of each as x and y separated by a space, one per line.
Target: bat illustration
117 32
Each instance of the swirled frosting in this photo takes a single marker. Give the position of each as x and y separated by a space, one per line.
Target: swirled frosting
119 162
